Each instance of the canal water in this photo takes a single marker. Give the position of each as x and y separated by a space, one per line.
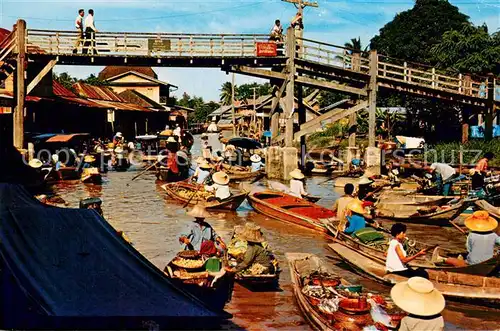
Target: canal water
153 221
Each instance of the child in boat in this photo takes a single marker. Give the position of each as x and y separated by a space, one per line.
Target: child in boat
296 184
422 302
396 255
340 206
480 243
256 163
220 186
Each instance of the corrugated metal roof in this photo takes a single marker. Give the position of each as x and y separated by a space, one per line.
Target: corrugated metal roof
62 138
120 105
96 92
61 91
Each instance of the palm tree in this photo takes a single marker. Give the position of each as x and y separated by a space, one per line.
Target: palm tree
354 46
226 93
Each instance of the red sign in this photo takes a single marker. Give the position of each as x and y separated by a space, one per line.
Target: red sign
266 49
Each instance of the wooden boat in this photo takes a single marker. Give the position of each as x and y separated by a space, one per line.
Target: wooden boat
182 192
422 214
492 210
241 176
480 289
213 288
285 207
378 249
302 267
64 173
91 175
259 282
392 197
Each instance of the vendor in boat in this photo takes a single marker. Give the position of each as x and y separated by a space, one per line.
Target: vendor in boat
88 161
355 217
422 302
443 173
199 232
118 139
255 252
396 255
340 205
480 243
230 154
365 190
202 172
297 184
480 171
220 187
256 163
56 163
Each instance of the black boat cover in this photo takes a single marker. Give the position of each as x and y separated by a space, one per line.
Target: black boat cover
67 268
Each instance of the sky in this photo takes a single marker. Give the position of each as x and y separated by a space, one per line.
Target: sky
334 21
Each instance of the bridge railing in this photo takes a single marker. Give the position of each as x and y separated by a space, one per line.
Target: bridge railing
430 77
146 44
333 55
8 45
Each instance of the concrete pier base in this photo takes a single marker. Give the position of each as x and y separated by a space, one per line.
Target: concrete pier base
373 161
290 161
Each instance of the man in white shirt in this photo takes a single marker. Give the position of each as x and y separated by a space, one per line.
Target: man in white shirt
446 172
79 29
277 31
90 32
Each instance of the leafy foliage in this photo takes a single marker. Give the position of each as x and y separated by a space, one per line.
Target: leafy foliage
449 152
389 122
412 33
201 109
243 92
469 50
226 93
65 79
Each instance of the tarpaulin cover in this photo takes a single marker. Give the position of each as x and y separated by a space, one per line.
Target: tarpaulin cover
70 264
477 131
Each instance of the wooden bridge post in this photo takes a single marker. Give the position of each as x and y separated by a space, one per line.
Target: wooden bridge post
290 92
20 85
491 108
372 98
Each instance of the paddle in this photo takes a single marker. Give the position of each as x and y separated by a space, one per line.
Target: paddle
458 228
192 196
146 170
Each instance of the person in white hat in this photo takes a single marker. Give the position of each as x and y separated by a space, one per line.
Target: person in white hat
220 186
256 162
296 184
480 242
422 302
365 189
118 138
202 172
199 231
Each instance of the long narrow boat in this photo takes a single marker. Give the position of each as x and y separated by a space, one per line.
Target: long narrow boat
287 208
213 288
91 175
236 175
191 194
306 267
378 249
413 214
390 198
464 287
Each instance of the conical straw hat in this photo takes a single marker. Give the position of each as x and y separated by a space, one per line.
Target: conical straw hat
199 212
255 158
252 233
481 221
356 206
35 163
221 178
418 296
297 174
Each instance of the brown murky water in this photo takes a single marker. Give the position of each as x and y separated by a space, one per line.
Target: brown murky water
152 221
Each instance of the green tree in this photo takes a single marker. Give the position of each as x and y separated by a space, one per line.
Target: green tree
245 91
94 80
65 80
469 50
226 93
356 46
412 33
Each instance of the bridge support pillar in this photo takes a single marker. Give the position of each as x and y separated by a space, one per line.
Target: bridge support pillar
372 98
19 85
280 161
491 109
290 87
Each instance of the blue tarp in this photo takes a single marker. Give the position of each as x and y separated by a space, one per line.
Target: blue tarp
67 268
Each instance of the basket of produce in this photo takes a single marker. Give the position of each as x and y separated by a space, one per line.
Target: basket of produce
193 255
331 282
354 305
188 263
315 294
198 195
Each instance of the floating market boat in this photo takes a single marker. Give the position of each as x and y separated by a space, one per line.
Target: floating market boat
91 175
329 302
207 281
390 198
287 208
459 286
375 243
192 194
64 173
241 174
433 215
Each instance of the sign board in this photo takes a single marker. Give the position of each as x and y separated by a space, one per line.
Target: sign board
158 45
111 116
266 49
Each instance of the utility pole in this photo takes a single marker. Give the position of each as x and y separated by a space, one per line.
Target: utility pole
254 108
300 5
232 106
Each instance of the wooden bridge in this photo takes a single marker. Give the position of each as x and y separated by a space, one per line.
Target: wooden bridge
294 62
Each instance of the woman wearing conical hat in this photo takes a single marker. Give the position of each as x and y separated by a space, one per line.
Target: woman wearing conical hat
296 184
422 302
255 253
480 243
199 231
220 186
202 172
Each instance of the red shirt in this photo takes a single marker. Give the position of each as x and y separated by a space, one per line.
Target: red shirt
172 163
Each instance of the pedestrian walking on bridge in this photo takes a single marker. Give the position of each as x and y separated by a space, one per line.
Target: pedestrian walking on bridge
79 29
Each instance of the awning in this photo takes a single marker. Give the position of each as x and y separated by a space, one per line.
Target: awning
63 138
120 105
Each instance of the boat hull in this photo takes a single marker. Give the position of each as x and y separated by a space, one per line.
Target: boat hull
277 208
230 204
440 218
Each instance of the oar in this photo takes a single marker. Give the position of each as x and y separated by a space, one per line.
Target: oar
192 196
146 170
332 178
458 228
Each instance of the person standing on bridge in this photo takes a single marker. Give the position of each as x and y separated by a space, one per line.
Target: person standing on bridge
79 28
90 32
